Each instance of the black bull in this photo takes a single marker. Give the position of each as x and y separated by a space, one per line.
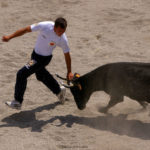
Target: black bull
116 79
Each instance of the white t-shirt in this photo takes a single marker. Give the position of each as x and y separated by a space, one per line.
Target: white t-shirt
48 40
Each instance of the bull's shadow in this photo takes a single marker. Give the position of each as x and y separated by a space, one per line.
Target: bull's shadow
115 124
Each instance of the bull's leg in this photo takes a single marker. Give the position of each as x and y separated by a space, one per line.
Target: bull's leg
113 101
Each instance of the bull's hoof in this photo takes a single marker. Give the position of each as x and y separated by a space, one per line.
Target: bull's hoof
81 107
103 110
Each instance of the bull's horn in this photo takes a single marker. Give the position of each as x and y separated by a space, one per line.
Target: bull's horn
67 86
58 76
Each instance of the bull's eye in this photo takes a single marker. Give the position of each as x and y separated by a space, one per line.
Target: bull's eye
79 86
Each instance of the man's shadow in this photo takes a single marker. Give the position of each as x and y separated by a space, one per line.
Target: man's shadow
116 124
27 119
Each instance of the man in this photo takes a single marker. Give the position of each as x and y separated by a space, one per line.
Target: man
51 35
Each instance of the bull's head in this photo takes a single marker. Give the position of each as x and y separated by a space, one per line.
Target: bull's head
78 91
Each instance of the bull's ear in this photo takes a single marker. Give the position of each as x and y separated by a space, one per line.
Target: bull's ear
79 86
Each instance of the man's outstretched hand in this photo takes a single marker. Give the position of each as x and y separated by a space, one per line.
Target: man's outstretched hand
5 38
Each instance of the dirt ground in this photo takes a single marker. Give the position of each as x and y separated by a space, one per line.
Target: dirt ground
99 32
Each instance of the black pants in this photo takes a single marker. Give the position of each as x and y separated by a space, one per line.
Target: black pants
37 66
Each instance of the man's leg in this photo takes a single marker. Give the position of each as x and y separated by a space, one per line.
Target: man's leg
21 82
20 87
21 78
44 76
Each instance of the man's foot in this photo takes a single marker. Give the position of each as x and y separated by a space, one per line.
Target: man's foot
61 95
13 104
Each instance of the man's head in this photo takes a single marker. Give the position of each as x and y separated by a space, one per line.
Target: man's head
60 26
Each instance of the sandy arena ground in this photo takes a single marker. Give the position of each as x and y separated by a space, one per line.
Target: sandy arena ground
99 32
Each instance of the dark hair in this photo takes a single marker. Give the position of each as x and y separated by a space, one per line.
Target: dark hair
61 22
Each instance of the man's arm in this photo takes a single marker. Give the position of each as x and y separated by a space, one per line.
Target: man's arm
16 34
68 64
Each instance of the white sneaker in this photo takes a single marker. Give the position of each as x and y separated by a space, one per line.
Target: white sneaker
61 95
13 104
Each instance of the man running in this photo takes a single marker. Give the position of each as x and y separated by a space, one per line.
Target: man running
51 34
